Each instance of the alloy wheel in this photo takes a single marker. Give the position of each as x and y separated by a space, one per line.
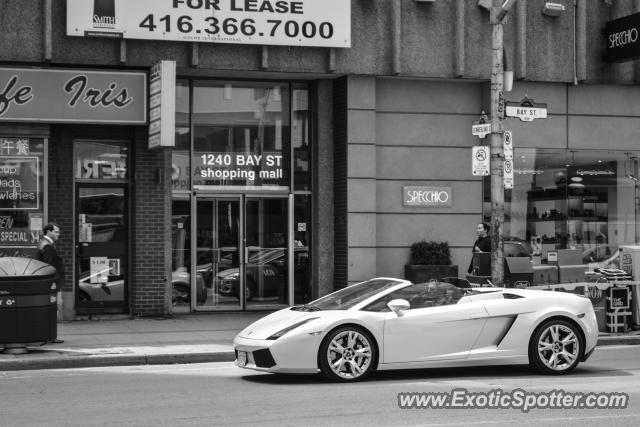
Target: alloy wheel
558 347
349 354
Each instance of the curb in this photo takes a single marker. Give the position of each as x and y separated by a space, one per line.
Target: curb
25 362
95 361
618 340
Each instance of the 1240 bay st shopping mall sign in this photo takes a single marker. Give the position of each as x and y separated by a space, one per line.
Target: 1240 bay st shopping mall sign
325 23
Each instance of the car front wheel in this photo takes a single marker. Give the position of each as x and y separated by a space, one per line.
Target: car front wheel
555 347
347 354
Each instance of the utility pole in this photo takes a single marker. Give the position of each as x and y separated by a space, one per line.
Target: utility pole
497 13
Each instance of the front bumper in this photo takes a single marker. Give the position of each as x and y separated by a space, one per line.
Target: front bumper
295 354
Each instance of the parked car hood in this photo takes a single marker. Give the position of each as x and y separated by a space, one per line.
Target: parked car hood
269 325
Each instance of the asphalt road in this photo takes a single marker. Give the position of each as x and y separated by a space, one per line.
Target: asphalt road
221 394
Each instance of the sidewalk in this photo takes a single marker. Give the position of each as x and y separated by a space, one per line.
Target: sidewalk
184 338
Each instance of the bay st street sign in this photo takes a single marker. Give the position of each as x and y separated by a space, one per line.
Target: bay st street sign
526 110
623 38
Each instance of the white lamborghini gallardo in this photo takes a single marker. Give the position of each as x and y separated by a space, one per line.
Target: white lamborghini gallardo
387 323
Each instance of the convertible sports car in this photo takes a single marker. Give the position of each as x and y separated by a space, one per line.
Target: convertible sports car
387 323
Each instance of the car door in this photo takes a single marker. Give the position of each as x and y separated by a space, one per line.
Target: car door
445 332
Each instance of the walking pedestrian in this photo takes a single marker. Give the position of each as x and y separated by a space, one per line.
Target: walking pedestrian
482 244
48 254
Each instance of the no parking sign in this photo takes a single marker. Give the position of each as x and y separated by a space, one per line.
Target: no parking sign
480 160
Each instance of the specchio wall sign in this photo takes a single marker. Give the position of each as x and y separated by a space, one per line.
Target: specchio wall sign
426 196
623 38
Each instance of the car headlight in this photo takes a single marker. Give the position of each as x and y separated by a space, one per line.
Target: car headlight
231 277
290 328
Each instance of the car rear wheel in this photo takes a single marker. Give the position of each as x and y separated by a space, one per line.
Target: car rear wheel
555 347
347 354
180 293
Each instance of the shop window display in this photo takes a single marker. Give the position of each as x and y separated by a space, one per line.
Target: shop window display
21 195
583 200
241 134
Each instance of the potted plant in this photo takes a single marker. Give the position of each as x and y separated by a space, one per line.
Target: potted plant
429 260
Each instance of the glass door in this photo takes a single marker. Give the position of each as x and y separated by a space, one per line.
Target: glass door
101 248
266 272
217 254
241 252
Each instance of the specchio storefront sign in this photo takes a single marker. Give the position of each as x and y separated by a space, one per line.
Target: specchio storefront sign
623 38
426 196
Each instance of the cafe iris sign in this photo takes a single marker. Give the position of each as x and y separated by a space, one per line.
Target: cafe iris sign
71 96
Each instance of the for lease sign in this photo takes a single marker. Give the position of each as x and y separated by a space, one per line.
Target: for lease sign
268 22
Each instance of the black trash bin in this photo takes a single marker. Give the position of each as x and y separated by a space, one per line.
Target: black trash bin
28 304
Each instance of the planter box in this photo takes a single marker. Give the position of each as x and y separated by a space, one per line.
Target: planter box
423 273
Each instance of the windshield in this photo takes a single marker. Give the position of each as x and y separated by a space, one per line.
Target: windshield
264 256
351 295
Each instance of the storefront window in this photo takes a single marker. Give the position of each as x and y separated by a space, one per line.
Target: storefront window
562 199
21 195
180 170
101 160
300 138
240 134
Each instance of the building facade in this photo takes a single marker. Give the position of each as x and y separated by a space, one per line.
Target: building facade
295 149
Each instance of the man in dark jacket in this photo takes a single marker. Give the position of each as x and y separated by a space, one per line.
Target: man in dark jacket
482 244
48 254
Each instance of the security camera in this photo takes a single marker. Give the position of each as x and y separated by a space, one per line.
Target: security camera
506 5
552 9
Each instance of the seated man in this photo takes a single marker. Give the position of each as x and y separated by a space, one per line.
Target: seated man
444 293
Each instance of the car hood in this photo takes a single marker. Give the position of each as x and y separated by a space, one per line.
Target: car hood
88 285
274 322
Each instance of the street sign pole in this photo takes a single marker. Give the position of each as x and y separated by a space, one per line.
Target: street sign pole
497 156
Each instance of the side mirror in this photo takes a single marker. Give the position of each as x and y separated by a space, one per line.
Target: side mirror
398 306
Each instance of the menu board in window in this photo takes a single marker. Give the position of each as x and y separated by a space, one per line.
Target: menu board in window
21 195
